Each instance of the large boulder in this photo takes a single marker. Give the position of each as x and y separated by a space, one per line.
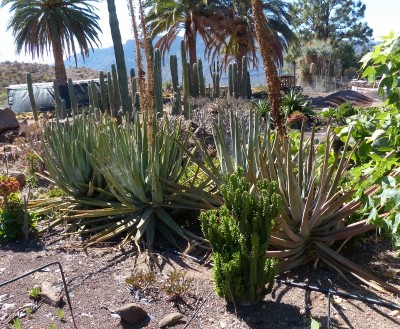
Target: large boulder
8 120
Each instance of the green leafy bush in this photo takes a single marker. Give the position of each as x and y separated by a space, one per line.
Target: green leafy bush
384 61
239 234
377 132
345 110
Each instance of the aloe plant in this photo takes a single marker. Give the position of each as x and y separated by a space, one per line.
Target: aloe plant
141 183
314 207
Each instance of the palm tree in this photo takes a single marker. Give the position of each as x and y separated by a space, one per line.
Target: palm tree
173 17
236 35
264 37
64 26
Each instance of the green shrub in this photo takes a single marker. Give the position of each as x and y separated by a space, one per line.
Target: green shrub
345 110
239 234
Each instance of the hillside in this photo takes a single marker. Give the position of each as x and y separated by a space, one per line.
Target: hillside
15 73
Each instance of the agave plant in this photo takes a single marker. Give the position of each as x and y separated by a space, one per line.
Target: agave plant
66 148
314 208
118 182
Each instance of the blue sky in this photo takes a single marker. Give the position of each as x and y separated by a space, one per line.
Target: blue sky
381 15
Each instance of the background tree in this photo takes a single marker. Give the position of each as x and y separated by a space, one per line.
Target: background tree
64 26
235 35
331 20
172 17
348 57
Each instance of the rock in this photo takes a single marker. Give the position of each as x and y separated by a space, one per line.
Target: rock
50 294
170 320
131 313
8 120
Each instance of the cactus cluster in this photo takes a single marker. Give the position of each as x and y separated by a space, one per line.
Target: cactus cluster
216 70
238 82
109 96
239 234
32 96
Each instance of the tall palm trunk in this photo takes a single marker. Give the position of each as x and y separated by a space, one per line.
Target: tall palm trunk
59 67
243 47
271 74
191 44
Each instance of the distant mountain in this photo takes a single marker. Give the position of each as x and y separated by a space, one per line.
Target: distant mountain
102 59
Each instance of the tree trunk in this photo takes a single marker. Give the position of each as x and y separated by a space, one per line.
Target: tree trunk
271 74
243 47
191 44
59 67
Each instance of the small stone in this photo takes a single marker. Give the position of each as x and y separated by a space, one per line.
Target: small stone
50 294
170 320
131 313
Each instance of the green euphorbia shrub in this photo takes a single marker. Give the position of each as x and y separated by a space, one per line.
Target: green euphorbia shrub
239 234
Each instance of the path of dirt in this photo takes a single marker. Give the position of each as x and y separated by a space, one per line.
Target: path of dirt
96 282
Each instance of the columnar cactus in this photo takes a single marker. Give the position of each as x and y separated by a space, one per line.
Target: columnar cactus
215 71
119 59
93 95
57 99
185 82
110 86
116 90
230 79
195 89
158 92
103 92
239 233
134 85
176 102
235 80
63 109
202 85
173 63
136 102
244 79
72 97
32 96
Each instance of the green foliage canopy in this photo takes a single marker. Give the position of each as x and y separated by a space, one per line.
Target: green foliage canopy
334 20
65 26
